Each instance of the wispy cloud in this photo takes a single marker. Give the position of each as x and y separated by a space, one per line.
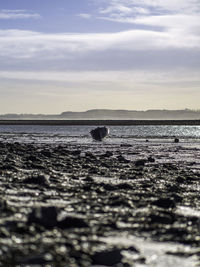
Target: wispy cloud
85 15
17 14
124 7
27 44
158 13
116 8
124 77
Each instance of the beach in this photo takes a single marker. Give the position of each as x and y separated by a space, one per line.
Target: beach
99 133
99 204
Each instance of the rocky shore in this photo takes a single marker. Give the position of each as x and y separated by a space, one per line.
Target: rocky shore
69 205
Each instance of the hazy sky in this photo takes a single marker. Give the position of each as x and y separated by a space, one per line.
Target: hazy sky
82 54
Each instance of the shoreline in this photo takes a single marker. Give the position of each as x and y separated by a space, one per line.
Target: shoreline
101 122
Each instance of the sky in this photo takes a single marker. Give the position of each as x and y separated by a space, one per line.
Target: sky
75 55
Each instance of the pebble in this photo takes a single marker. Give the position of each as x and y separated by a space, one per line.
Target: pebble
44 216
72 222
107 257
37 179
140 162
164 203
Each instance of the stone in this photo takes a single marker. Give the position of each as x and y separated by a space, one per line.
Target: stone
36 179
99 133
107 258
151 159
44 216
123 159
108 154
46 153
164 203
76 152
161 218
140 162
124 186
72 222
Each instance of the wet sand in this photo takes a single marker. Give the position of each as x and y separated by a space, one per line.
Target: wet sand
98 204
99 122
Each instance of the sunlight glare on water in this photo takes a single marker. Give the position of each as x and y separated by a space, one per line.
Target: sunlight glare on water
81 134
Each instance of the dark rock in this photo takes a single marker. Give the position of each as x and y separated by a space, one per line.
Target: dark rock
122 159
86 166
33 158
89 179
87 187
164 203
140 162
124 186
151 159
109 187
120 202
108 154
162 218
46 153
107 258
76 152
133 249
3 205
36 166
180 179
72 222
44 216
8 167
99 133
38 179
173 188
176 140
169 166
176 198
34 260
93 170
104 164
90 155
74 177
126 145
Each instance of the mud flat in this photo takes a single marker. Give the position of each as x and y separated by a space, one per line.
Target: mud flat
94 205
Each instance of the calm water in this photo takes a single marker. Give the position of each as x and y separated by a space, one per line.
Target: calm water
80 134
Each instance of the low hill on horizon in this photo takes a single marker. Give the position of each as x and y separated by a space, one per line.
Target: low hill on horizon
133 114
185 114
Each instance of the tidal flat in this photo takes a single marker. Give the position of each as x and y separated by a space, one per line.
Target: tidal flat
99 205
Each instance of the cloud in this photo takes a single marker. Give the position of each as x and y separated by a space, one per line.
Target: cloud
116 8
28 44
157 13
85 15
17 14
131 77
178 20
178 6
149 6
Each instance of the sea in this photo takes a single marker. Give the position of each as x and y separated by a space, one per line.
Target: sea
81 134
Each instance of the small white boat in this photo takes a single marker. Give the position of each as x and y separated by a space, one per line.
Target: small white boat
99 133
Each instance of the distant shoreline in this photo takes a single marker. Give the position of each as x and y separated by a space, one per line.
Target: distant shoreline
99 122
